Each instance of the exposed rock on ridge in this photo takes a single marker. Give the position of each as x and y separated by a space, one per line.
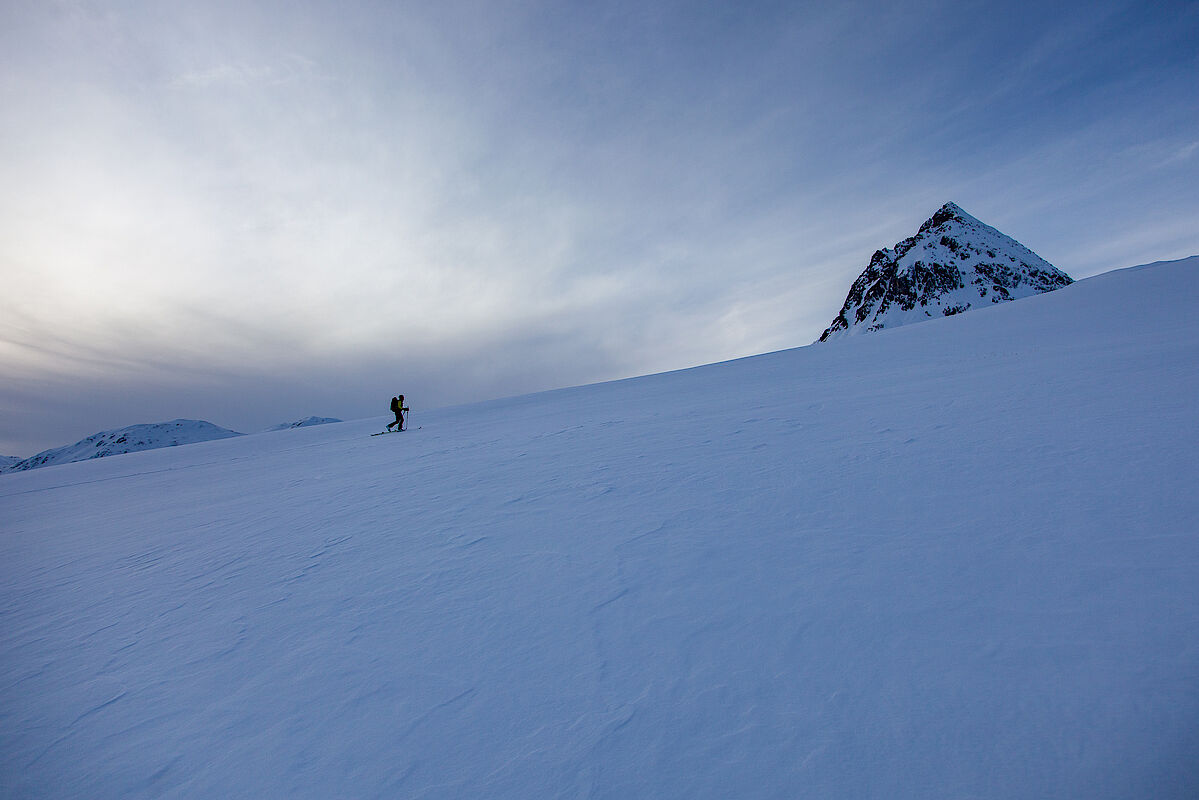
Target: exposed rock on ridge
952 264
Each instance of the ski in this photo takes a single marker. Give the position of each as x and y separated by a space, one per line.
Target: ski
397 430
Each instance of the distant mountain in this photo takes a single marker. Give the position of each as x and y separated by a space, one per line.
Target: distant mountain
303 423
952 264
127 440
8 461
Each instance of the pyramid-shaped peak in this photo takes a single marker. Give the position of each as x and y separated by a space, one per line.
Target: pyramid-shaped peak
954 263
947 212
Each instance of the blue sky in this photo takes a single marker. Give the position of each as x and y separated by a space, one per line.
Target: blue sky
253 212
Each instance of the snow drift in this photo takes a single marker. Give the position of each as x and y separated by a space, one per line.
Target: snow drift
954 559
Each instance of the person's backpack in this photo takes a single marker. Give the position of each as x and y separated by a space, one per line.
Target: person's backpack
395 404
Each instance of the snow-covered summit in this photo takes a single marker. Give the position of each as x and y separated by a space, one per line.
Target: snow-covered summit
952 264
148 436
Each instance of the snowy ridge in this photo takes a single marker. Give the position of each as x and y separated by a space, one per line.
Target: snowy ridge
303 423
954 263
948 560
131 439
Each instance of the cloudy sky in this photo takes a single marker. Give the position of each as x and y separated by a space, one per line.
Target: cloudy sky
250 212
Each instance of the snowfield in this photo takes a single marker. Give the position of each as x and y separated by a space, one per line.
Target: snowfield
956 559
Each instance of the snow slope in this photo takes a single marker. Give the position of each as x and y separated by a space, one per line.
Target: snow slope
957 559
954 263
131 439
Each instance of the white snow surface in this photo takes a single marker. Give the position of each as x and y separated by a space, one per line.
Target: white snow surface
130 439
957 559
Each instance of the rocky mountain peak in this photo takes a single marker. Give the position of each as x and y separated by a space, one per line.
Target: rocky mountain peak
954 263
945 213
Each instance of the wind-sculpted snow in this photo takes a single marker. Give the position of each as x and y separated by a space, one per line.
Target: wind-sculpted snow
957 559
131 439
952 264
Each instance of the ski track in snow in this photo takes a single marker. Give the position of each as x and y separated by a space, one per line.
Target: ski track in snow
957 559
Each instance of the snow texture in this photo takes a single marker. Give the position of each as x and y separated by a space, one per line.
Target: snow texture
134 438
954 263
303 423
956 559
